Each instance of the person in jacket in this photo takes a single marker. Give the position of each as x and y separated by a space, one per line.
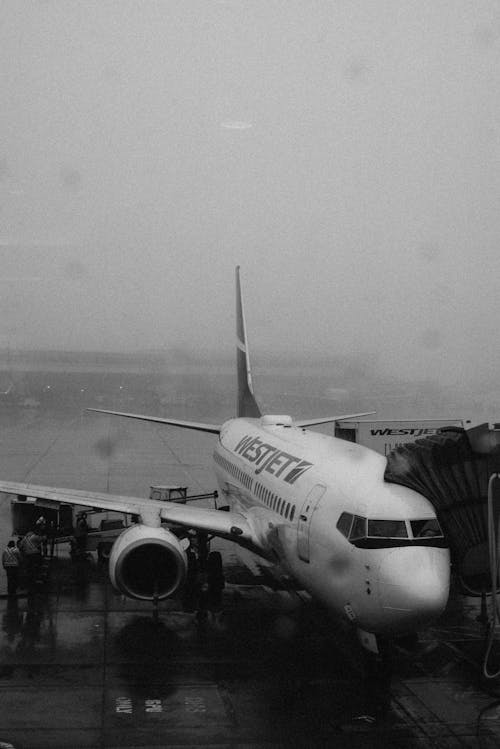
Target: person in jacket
11 560
81 532
31 551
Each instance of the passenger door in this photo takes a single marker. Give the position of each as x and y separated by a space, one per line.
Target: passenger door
304 523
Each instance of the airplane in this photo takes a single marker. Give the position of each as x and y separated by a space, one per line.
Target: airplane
314 507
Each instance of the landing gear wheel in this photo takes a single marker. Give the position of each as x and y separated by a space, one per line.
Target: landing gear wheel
203 547
103 551
214 565
215 581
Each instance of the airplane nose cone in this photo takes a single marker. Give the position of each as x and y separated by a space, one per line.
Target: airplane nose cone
414 585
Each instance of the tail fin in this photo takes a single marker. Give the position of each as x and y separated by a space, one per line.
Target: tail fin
247 405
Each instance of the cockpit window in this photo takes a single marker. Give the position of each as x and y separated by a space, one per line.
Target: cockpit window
344 523
358 529
429 528
387 529
371 533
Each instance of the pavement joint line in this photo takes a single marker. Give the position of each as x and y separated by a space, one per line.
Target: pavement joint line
179 463
418 726
460 653
104 673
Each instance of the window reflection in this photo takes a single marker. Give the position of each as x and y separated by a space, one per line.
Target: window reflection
387 528
426 528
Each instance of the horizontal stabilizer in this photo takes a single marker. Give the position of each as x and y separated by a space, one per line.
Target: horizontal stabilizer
329 419
199 427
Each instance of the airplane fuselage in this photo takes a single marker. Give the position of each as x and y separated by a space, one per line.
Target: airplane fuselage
322 512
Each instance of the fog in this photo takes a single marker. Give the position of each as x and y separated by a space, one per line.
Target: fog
344 153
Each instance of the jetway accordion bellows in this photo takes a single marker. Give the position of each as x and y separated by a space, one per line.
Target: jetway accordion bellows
452 469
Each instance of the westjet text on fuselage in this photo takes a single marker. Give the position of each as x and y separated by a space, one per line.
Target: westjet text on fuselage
271 459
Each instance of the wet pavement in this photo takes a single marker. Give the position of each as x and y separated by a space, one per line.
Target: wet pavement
82 667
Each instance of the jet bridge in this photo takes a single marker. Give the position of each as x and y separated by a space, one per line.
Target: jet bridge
453 469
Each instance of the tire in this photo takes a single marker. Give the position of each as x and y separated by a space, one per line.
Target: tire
215 572
214 564
104 550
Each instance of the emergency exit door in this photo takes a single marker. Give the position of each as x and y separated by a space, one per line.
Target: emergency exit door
304 525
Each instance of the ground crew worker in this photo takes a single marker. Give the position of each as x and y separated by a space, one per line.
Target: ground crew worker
11 560
41 528
51 533
31 550
81 531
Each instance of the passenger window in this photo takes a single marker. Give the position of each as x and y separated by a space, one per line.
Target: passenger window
358 529
292 513
287 510
344 523
387 528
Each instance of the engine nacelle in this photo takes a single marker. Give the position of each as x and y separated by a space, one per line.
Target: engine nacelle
147 562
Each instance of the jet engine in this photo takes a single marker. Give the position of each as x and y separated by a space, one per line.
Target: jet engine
147 562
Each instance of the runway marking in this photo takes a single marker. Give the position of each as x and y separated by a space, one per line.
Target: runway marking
192 704
123 705
153 706
195 705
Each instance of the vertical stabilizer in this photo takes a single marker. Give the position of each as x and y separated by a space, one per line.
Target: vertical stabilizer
247 405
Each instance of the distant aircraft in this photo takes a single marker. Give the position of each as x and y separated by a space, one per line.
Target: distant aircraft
314 507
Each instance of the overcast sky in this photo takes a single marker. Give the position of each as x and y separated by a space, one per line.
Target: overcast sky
345 153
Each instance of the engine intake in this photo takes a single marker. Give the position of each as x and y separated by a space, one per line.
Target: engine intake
146 562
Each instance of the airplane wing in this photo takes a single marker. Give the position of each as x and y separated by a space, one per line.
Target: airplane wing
198 426
329 419
232 525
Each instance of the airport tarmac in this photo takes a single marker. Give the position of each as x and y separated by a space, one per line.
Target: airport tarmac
80 666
